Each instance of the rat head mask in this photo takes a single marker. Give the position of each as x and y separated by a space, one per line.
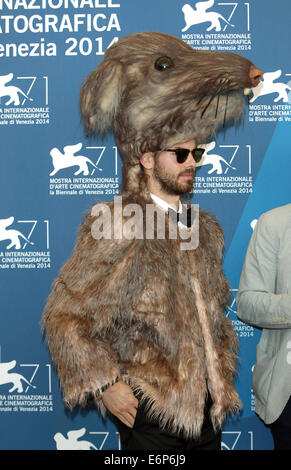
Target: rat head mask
153 90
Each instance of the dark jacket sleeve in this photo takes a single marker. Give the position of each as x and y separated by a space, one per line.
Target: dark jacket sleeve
84 300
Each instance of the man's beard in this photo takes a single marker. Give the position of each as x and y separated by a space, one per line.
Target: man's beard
171 184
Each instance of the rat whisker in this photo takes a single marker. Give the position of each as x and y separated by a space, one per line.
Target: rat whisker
225 110
226 103
217 104
217 91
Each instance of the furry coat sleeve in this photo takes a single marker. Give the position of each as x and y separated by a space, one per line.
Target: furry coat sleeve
85 363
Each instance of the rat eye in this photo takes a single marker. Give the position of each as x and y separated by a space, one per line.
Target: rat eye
163 63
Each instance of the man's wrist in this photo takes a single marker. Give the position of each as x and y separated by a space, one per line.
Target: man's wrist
106 386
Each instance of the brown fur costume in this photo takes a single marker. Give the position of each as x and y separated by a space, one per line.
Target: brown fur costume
143 310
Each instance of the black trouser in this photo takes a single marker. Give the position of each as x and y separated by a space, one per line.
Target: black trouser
146 434
281 429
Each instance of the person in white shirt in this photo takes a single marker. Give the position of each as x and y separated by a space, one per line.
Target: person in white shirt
169 175
136 322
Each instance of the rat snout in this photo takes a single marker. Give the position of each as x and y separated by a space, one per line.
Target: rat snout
255 75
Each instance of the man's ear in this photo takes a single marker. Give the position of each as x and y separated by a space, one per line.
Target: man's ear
147 160
101 95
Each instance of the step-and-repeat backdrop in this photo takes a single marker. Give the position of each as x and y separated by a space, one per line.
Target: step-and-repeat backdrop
51 174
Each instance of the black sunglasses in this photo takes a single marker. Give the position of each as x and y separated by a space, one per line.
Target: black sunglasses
182 154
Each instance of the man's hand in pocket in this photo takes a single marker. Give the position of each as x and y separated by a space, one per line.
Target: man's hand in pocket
121 402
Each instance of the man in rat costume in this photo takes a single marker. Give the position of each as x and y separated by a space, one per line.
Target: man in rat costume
133 321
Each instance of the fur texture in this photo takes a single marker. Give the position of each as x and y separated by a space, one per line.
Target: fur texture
149 109
151 314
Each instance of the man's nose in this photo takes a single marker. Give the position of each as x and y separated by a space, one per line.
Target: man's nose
190 162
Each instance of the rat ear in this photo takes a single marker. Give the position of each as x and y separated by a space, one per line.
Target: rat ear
100 96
